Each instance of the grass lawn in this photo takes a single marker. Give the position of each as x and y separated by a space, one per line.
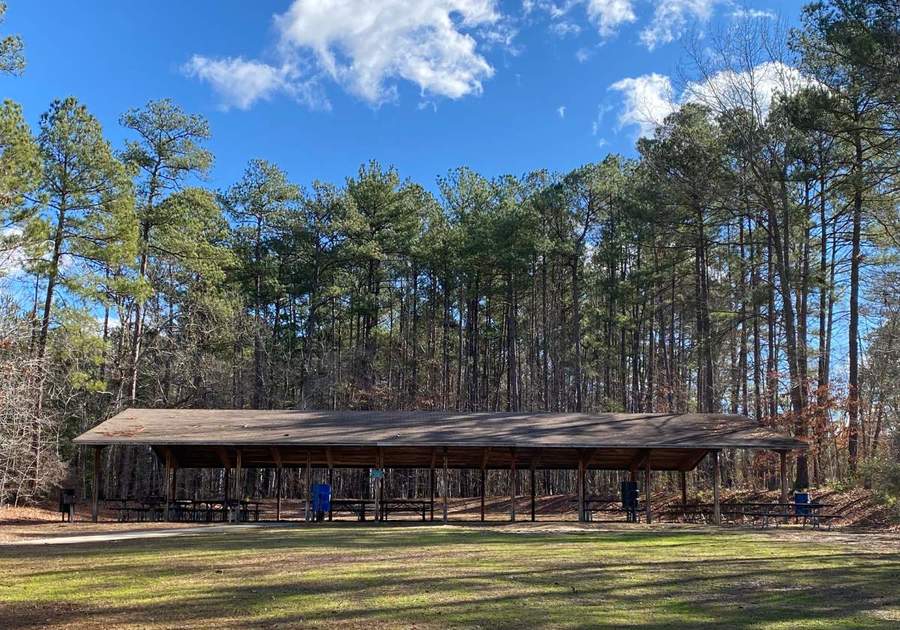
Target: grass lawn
401 575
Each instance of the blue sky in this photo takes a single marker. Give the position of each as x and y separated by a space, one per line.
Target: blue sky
320 86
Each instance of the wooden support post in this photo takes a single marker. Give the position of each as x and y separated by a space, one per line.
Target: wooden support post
278 493
717 480
276 457
173 480
365 482
513 487
226 475
379 486
238 476
485 453
238 495
683 489
167 483
579 488
331 486
446 484
226 482
308 505
532 494
95 485
648 490
431 481
483 480
381 514
584 493
784 476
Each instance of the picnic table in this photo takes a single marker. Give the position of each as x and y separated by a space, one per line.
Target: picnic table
231 510
765 513
415 506
146 509
812 513
155 509
354 506
691 512
608 504
360 507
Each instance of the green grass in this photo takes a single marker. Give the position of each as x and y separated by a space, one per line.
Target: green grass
347 575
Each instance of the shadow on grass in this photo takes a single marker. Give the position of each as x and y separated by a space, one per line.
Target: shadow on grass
401 576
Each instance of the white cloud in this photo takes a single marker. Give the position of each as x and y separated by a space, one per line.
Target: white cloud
366 46
582 54
752 14
609 15
12 256
565 28
602 111
606 15
561 111
112 323
670 19
647 100
240 82
363 45
753 89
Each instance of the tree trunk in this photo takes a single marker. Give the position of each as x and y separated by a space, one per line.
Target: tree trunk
512 380
853 339
576 332
705 388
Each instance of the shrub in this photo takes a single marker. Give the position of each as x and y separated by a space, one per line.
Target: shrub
883 476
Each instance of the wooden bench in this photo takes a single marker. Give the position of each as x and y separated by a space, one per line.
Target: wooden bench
612 505
361 507
688 513
188 510
140 513
354 506
763 514
414 506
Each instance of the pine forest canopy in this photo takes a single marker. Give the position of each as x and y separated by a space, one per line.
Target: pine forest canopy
746 261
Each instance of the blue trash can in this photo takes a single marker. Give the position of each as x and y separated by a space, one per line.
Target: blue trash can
321 500
801 503
630 500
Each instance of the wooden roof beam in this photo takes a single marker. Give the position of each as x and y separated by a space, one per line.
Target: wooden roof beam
170 455
485 454
692 461
223 456
588 455
640 460
276 456
536 460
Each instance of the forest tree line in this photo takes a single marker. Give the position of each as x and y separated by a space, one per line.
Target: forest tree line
745 261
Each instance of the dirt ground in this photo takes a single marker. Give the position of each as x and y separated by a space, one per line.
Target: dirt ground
18 524
861 513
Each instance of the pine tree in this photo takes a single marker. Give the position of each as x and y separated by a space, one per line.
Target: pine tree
166 152
19 175
88 215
